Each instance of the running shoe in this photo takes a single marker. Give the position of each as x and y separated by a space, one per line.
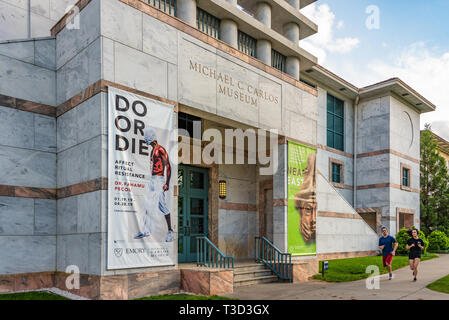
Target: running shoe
170 236
141 235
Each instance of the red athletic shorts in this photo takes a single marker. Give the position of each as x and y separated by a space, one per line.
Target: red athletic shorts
387 259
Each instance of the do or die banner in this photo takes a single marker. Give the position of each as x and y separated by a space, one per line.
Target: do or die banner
141 177
302 204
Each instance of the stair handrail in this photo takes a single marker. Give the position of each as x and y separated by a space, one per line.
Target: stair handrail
208 255
278 262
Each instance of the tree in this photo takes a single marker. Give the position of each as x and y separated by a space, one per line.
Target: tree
434 186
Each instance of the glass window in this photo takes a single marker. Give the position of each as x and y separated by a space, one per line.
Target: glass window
187 122
197 206
335 123
336 173
196 180
405 177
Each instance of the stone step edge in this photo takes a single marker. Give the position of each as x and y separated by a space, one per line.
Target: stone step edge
256 278
251 271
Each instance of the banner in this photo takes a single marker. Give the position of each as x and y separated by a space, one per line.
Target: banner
302 204
141 177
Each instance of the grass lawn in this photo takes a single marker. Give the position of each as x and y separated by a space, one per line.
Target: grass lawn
441 285
351 269
184 297
37 295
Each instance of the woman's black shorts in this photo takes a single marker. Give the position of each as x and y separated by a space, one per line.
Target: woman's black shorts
413 255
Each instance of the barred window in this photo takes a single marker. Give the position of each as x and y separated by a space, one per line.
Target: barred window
168 6
207 23
247 44
278 60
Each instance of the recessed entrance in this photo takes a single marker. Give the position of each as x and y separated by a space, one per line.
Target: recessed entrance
193 185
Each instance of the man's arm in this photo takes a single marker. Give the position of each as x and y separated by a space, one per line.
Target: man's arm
395 247
168 167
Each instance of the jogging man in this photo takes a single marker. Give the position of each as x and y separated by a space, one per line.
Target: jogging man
159 164
416 246
388 245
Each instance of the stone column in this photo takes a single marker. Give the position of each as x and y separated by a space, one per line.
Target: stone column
186 11
263 14
280 201
291 32
292 67
294 3
263 51
229 32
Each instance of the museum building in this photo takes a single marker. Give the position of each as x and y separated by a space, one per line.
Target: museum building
218 65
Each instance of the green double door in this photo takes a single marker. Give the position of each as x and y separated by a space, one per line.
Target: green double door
193 185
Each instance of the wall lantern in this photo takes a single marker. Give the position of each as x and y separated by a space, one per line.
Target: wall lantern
222 189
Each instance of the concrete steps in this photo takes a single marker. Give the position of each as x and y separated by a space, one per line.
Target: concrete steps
251 274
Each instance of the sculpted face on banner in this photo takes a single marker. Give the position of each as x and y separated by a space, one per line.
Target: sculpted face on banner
305 202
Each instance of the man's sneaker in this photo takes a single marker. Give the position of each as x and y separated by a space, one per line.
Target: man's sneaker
170 236
141 235
390 277
414 280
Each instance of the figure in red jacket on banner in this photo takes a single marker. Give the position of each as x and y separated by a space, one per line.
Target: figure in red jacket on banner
159 183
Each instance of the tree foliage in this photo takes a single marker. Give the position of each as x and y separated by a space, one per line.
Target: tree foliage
434 186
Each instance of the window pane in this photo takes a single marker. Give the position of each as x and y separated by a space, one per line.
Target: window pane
330 103
190 128
197 180
336 169
338 142
330 121
182 125
330 139
196 206
339 107
193 244
338 125
197 225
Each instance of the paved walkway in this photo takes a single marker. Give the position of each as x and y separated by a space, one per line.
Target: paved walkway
400 288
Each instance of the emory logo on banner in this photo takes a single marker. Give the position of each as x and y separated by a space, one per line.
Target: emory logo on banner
302 203
140 181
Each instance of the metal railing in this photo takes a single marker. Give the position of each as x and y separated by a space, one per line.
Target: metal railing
278 60
208 255
207 23
247 44
168 6
278 262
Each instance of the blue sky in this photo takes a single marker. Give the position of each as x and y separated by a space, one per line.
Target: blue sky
412 43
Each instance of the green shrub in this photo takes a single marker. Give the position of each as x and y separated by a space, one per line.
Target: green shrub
403 235
438 241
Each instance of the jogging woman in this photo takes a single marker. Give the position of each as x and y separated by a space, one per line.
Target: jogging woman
416 246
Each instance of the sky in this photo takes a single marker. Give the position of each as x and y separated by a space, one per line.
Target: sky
367 41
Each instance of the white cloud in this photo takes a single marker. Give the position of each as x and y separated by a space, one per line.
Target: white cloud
426 71
323 42
340 24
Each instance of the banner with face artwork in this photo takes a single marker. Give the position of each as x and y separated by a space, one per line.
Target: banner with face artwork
302 202
141 176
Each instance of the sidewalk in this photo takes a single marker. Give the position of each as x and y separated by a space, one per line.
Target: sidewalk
400 288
